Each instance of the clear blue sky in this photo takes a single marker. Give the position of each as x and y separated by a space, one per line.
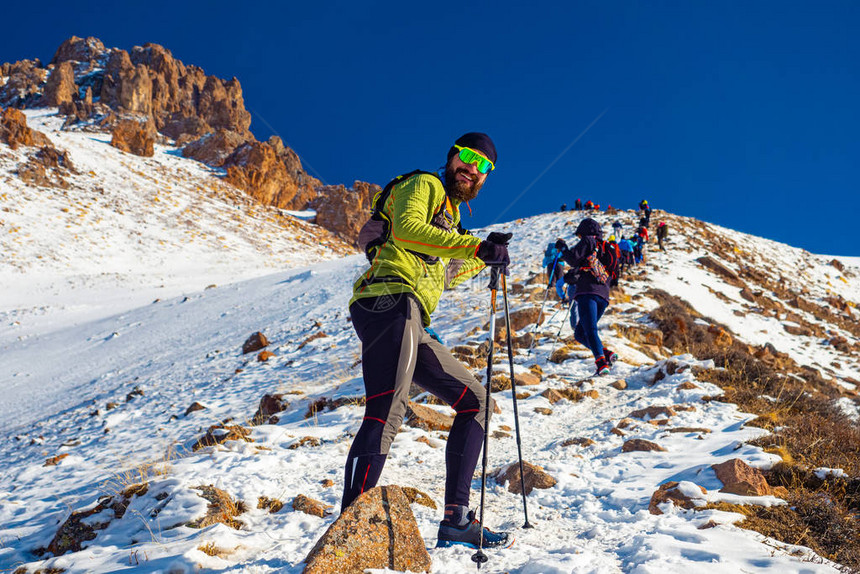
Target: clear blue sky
742 113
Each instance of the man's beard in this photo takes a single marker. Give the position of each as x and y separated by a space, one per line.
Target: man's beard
460 189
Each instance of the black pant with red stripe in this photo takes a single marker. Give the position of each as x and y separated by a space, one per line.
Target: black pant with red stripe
396 351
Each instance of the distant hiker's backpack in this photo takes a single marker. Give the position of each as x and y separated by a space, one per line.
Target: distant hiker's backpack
376 231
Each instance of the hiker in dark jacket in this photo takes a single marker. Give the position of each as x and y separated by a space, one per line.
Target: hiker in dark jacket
592 295
578 204
390 308
645 211
662 232
617 228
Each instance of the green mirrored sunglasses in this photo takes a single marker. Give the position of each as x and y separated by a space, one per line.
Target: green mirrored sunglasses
468 155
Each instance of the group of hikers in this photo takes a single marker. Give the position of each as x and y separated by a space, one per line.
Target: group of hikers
416 248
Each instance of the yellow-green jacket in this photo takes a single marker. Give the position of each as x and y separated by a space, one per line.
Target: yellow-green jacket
424 253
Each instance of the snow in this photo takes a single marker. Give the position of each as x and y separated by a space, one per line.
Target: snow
81 330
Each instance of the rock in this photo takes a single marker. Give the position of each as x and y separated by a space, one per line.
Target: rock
722 338
652 412
689 430
79 527
214 148
535 477
620 384
526 379
222 509
625 423
194 407
740 478
134 137
52 461
552 395
14 130
344 210
720 269
302 503
265 356
543 411
254 343
687 386
23 83
579 441
218 434
269 405
79 50
425 418
639 444
327 483
669 492
60 88
314 337
311 441
257 169
560 355
591 394
522 318
838 265
378 530
653 337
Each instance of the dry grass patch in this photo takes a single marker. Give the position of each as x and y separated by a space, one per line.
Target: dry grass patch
808 431
222 508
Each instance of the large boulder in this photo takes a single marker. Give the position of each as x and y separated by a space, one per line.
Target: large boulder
60 88
378 530
534 477
740 478
14 130
134 137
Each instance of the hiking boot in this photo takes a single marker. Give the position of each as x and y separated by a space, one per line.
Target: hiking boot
609 356
469 534
602 366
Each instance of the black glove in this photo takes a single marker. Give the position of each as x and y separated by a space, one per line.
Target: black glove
561 245
493 253
499 238
571 277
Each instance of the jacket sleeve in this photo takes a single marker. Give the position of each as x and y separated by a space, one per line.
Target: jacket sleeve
576 257
414 203
459 270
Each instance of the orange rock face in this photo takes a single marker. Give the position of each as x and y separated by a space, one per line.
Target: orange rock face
133 137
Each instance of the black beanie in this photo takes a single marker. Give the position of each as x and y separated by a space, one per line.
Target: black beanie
477 141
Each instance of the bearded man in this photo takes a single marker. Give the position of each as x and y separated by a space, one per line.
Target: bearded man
423 251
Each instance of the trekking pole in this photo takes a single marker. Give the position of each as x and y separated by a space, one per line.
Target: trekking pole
514 392
560 327
545 295
479 557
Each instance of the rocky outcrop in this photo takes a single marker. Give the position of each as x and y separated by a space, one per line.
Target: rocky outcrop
378 530
79 50
14 130
255 342
24 80
134 137
60 88
214 149
344 210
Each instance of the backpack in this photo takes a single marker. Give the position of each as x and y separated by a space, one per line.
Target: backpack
603 262
376 230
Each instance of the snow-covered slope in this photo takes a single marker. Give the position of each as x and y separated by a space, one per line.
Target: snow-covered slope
112 393
129 230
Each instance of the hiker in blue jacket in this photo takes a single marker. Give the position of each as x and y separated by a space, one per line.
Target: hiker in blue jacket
626 259
592 293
